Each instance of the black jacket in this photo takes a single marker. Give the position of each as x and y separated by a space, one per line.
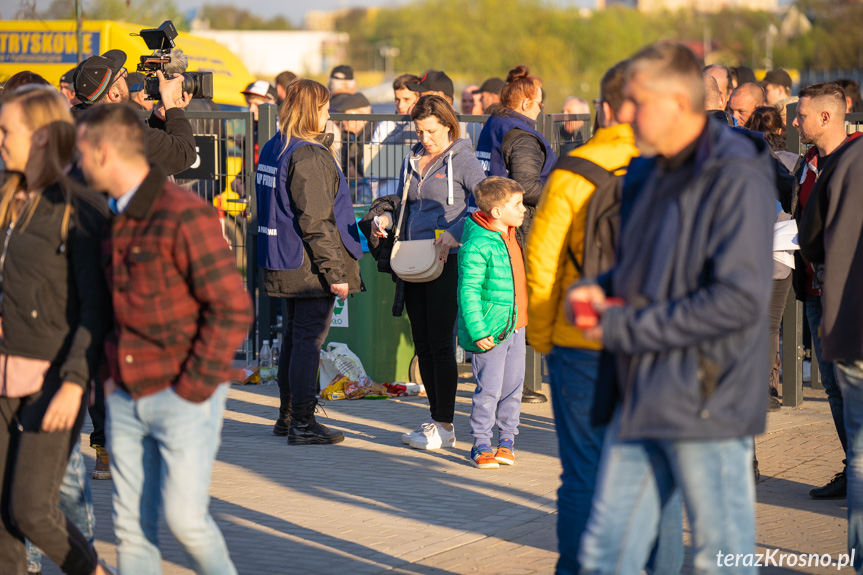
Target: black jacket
524 157
56 305
170 142
320 180
831 233
381 248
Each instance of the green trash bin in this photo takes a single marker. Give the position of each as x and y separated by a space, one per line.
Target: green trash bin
366 324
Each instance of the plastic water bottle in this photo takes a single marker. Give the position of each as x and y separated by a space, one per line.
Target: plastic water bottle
265 363
274 364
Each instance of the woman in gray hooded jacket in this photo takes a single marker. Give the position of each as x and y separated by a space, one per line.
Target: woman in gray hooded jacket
440 173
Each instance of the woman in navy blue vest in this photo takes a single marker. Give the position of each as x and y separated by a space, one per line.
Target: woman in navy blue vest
308 247
509 145
438 176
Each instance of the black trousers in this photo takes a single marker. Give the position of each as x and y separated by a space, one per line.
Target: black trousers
432 308
307 323
32 465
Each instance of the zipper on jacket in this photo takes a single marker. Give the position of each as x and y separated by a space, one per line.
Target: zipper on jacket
514 317
420 180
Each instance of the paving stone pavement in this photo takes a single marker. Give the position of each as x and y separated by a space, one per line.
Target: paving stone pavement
372 505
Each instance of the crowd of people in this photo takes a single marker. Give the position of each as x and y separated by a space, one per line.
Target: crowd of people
642 262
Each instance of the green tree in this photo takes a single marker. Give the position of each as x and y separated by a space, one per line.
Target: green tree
229 17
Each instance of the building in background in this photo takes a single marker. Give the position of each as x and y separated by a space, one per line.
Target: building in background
266 53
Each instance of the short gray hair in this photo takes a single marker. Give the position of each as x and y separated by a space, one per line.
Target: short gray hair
671 65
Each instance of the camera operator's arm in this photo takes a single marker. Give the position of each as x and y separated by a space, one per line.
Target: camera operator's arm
171 145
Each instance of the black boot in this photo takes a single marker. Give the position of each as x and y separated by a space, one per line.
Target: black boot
305 430
283 422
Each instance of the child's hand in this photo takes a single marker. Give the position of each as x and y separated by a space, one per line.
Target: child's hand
485 343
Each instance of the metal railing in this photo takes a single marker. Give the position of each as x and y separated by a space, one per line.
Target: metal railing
373 147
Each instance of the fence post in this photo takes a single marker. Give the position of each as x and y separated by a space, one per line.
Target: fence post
792 352
533 370
792 138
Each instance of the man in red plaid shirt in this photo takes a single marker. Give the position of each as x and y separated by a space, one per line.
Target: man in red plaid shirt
180 311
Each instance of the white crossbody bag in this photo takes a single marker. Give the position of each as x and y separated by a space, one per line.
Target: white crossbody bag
415 261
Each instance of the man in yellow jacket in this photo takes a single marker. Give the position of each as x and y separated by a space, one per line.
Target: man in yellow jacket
573 361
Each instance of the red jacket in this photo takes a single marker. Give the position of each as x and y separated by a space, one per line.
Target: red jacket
180 309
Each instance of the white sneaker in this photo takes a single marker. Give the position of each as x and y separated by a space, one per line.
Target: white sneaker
434 436
415 434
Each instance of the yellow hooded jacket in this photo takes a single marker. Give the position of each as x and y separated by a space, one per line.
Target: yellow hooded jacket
559 224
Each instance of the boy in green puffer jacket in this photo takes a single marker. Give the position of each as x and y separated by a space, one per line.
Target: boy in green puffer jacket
492 301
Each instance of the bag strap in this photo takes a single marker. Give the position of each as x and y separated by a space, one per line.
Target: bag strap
593 173
450 199
406 184
590 171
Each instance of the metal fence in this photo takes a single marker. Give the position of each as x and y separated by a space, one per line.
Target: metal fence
371 149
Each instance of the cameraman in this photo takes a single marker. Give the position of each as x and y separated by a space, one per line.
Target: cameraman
170 143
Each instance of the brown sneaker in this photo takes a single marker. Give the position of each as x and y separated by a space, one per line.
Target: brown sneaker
101 470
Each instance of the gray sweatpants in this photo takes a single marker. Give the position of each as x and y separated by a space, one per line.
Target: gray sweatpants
499 375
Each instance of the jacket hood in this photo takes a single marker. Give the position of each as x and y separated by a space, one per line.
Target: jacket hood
460 145
735 144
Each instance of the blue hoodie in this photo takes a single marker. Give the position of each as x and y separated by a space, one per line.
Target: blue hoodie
430 206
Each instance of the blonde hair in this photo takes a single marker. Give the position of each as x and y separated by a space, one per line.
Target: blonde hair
298 116
43 108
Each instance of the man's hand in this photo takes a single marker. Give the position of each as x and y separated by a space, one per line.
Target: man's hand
64 408
485 343
444 244
171 91
589 293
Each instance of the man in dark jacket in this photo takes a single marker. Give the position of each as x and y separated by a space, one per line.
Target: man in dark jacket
170 143
832 232
821 122
690 342
179 312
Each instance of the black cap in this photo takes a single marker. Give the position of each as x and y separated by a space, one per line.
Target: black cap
433 81
778 77
345 102
342 73
94 75
135 80
69 76
492 86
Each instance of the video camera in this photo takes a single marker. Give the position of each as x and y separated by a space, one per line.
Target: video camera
161 41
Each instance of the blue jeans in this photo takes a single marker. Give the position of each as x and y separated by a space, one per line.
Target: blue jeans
162 451
499 375
826 368
573 374
637 479
850 377
76 502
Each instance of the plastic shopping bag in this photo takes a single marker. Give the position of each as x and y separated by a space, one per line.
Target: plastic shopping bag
337 359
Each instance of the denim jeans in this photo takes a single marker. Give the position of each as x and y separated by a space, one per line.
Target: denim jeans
76 502
850 376
828 372
162 451
573 374
636 480
499 375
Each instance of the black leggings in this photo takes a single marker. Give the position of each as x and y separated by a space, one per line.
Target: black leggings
32 465
432 308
